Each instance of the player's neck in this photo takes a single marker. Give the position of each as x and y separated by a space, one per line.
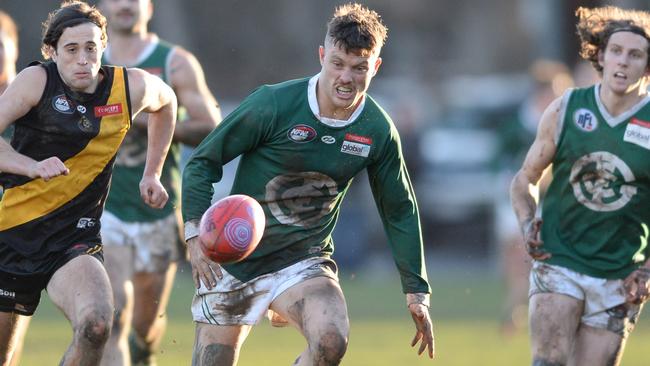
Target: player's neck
618 103
126 48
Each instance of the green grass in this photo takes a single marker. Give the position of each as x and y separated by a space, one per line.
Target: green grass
464 310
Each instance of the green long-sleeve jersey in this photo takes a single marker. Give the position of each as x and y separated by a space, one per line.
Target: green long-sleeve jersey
298 167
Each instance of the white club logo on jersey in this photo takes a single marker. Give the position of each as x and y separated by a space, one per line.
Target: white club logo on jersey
301 199
599 181
328 139
585 120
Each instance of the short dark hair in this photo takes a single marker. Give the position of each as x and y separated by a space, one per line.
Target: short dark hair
357 28
70 14
596 26
8 26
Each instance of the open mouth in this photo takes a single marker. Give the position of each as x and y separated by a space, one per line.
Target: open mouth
620 75
344 92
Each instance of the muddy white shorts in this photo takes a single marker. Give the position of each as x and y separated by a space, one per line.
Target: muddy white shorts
604 300
155 244
232 302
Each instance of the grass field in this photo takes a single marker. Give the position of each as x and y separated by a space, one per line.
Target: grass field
464 310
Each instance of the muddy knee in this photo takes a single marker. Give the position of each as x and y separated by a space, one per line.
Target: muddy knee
330 348
95 329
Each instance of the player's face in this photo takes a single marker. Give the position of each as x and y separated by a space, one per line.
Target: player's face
344 79
78 56
127 16
624 62
8 54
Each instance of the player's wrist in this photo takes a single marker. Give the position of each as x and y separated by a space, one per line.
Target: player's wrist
418 298
191 229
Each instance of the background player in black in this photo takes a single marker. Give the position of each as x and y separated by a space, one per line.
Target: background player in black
74 38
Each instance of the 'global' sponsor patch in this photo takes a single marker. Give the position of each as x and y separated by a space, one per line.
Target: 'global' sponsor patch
301 134
107 110
355 148
638 132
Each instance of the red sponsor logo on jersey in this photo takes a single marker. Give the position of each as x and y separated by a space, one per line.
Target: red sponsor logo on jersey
154 71
107 110
356 138
639 122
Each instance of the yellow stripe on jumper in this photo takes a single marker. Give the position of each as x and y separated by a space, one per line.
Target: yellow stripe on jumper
37 198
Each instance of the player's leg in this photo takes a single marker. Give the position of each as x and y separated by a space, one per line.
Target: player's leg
317 308
152 292
81 289
21 331
9 336
554 321
157 251
603 333
597 347
118 261
555 310
218 344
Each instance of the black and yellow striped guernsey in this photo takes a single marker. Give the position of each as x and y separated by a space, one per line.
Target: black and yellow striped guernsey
38 218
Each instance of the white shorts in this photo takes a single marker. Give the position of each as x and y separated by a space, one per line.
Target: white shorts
155 244
233 302
604 300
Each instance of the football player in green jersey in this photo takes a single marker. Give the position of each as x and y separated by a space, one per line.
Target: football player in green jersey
70 116
301 143
142 245
590 275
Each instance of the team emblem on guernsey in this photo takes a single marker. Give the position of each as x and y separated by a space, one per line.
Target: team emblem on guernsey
600 182
585 120
301 134
301 199
62 104
85 124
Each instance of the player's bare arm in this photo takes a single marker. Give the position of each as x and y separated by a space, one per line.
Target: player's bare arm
188 81
418 305
539 157
16 101
150 94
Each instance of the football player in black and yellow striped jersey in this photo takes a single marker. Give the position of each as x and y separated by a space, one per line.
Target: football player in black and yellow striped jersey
70 115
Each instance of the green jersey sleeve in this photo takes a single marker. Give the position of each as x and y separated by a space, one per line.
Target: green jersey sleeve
395 199
241 131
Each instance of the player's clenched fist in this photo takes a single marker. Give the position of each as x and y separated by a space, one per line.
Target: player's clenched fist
48 169
152 192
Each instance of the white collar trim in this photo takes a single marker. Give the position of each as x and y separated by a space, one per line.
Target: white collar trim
332 122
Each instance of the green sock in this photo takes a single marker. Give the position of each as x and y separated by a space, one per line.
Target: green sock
140 354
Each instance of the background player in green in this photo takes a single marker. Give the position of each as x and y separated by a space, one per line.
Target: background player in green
70 116
142 245
590 274
301 143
